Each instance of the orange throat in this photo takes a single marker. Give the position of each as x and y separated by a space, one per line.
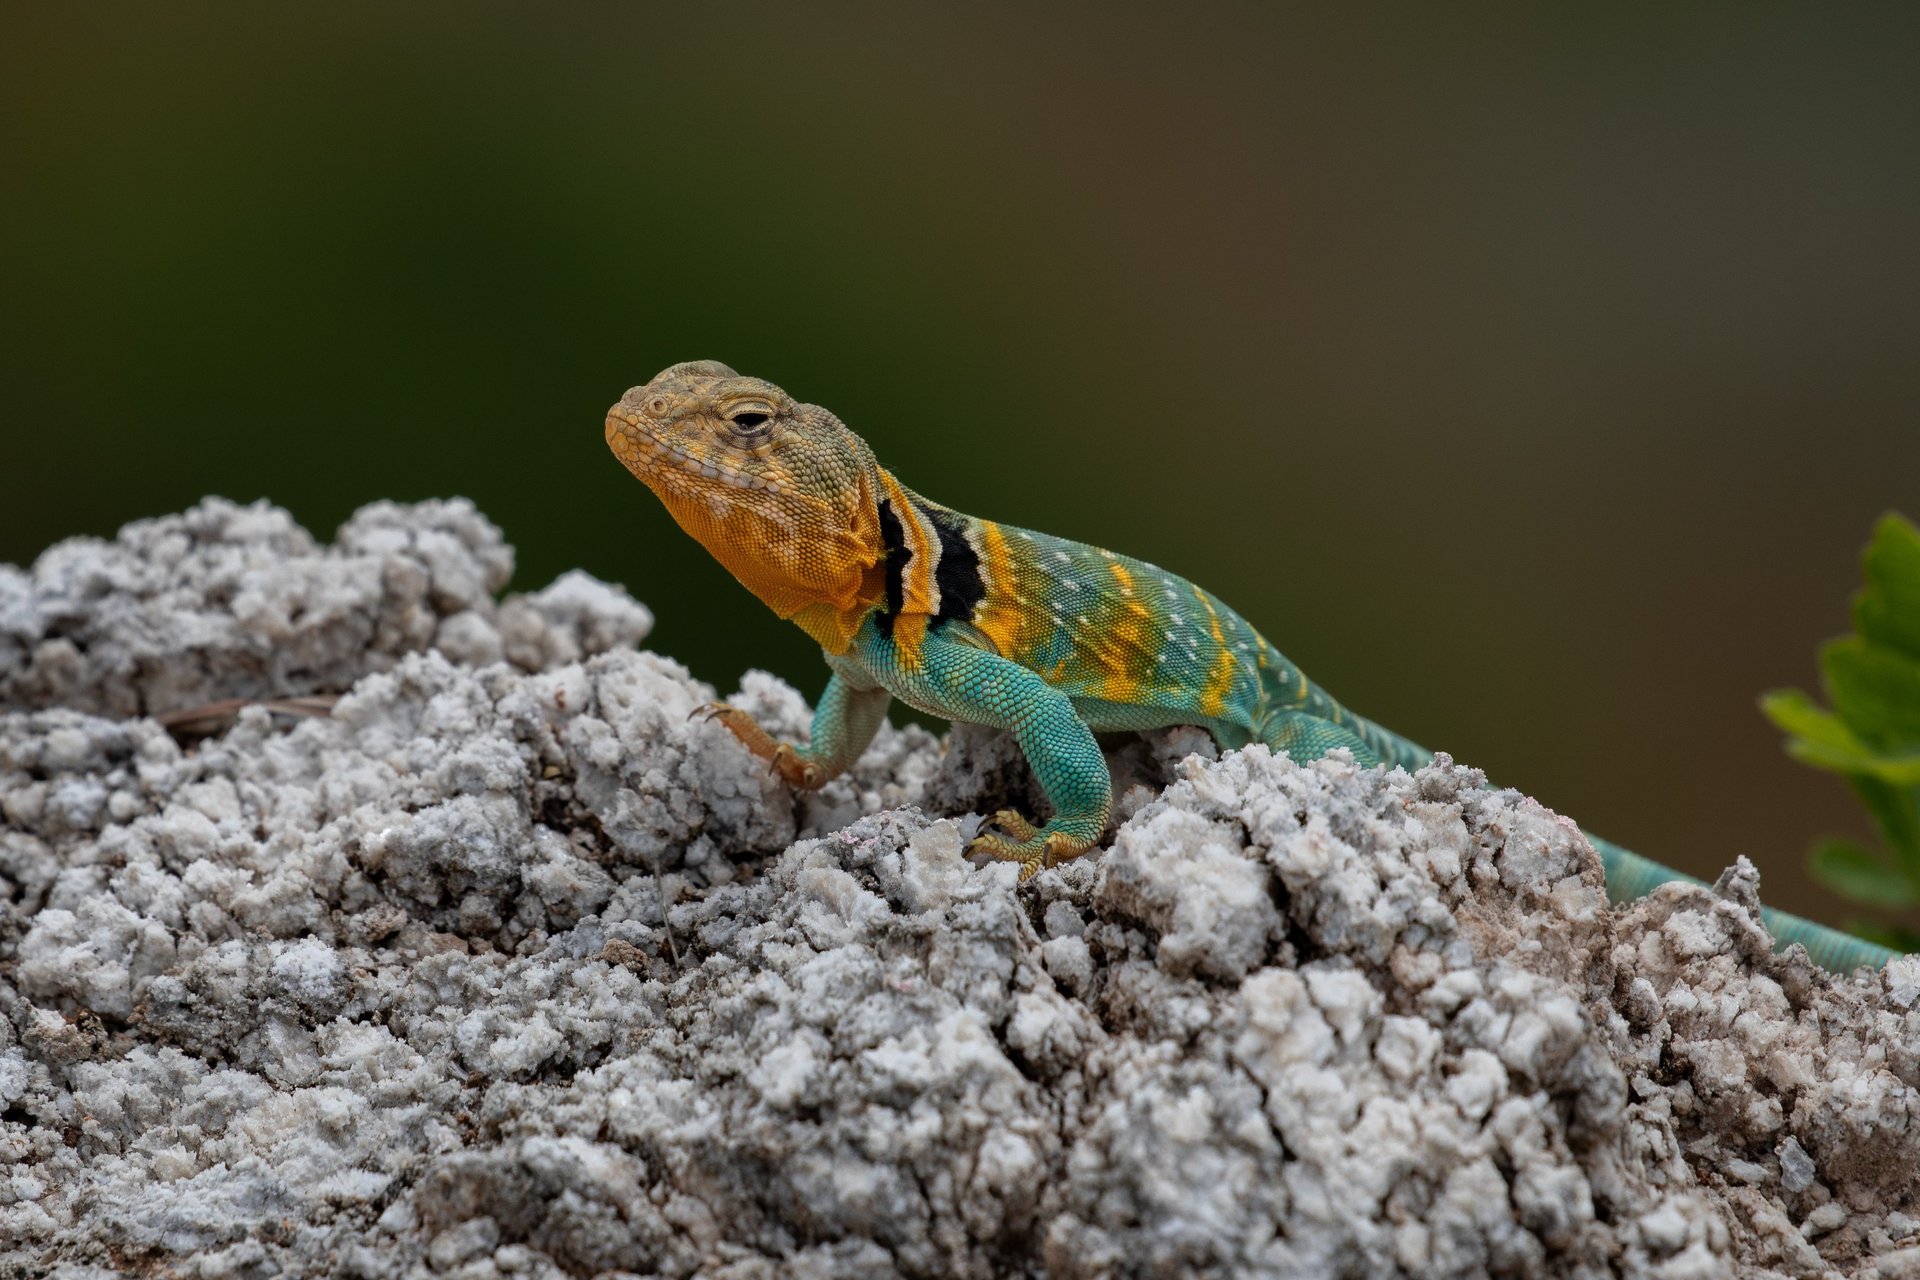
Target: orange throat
805 560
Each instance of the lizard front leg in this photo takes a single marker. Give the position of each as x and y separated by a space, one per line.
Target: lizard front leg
962 682
844 722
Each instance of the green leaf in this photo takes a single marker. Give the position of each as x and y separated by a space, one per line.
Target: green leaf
1896 811
1796 713
1875 690
1819 738
1887 611
1872 734
1862 874
1900 771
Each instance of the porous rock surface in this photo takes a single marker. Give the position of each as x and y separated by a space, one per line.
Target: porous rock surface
508 967
226 601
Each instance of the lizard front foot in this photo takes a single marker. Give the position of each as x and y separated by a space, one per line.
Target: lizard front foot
784 759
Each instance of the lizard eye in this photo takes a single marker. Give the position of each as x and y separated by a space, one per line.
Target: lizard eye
750 418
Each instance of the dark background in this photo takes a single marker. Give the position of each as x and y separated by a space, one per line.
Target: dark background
1532 380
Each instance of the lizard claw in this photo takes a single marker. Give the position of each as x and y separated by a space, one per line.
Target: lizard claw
1035 852
1001 849
1015 825
795 770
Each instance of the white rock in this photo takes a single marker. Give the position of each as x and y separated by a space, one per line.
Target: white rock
506 967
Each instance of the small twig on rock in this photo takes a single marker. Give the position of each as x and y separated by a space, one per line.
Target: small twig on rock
666 919
190 724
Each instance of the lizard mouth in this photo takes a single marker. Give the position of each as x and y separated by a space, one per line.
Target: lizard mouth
652 458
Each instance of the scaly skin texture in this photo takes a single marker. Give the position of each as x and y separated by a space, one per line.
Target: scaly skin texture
976 621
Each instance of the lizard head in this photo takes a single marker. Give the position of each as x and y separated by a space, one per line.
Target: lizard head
781 493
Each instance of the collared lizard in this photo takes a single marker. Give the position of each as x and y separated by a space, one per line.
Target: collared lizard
977 621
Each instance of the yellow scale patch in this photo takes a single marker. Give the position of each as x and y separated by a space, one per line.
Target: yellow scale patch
1126 661
1213 695
909 637
999 618
919 593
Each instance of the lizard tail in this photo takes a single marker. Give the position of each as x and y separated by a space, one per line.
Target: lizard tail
1631 876
1321 724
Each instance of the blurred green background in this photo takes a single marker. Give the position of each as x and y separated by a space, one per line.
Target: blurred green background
1532 380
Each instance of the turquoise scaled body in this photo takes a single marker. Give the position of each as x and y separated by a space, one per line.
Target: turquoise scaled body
1057 691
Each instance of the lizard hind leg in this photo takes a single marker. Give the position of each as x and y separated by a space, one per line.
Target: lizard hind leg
1307 737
